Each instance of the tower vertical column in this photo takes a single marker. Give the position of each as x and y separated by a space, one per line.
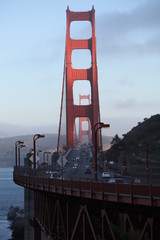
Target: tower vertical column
91 111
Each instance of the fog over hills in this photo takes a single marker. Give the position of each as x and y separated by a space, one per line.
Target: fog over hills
7 147
10 130
10 133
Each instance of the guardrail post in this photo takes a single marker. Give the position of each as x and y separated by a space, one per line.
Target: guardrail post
151 195
131 193
117 194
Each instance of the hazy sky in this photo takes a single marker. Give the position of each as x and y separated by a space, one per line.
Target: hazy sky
32 45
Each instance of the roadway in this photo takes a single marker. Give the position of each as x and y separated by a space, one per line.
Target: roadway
80 165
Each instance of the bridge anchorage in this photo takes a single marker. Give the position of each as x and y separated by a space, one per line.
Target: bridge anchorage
75 206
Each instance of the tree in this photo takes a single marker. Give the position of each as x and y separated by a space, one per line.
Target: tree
116 140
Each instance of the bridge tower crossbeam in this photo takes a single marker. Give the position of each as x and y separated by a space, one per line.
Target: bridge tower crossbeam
74 111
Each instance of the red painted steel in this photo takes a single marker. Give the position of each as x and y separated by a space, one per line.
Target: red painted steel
72 111
118 193
104 215
84 119
83 211
50 217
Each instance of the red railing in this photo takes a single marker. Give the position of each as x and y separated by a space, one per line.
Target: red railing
146 195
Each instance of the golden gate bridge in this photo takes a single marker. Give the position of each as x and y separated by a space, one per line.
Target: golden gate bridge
78 208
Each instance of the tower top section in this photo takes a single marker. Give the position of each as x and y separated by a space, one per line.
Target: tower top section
80 16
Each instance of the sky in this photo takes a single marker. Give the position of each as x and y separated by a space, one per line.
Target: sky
32 46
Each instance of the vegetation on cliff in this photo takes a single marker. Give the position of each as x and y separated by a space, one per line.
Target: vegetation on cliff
146 133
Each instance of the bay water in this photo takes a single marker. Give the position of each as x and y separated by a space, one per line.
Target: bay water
10 194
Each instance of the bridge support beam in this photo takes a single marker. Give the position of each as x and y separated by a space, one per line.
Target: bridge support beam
84 212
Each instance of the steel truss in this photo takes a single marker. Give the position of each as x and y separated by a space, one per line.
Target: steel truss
72 218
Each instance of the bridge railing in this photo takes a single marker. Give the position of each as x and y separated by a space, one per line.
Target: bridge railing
138 179
148 194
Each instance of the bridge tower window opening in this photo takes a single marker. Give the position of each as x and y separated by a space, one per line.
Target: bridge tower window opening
85 125
83 130
80 30
81 87
81 59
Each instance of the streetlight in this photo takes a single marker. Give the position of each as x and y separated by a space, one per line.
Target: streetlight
107 153
123 147
16 145
19 147
147 165
97 126
124 167
35 137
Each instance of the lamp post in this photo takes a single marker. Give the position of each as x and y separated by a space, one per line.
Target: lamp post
123 147
35 137
147 164
19 147
124 167
108 152
16 145
97 126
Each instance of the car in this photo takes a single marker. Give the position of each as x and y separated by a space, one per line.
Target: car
87 166
105 175
75 165
56 175
77 158
112 180
87 170
118 180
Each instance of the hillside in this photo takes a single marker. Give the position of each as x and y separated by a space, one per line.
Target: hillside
7 146
147 132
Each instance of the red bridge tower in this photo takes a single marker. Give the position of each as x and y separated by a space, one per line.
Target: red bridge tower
90 111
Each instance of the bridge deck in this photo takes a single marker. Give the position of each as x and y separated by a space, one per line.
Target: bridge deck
145 195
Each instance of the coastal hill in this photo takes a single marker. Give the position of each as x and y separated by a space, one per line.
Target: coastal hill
7 147
146 133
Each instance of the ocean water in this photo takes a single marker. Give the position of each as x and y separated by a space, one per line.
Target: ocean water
10 194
